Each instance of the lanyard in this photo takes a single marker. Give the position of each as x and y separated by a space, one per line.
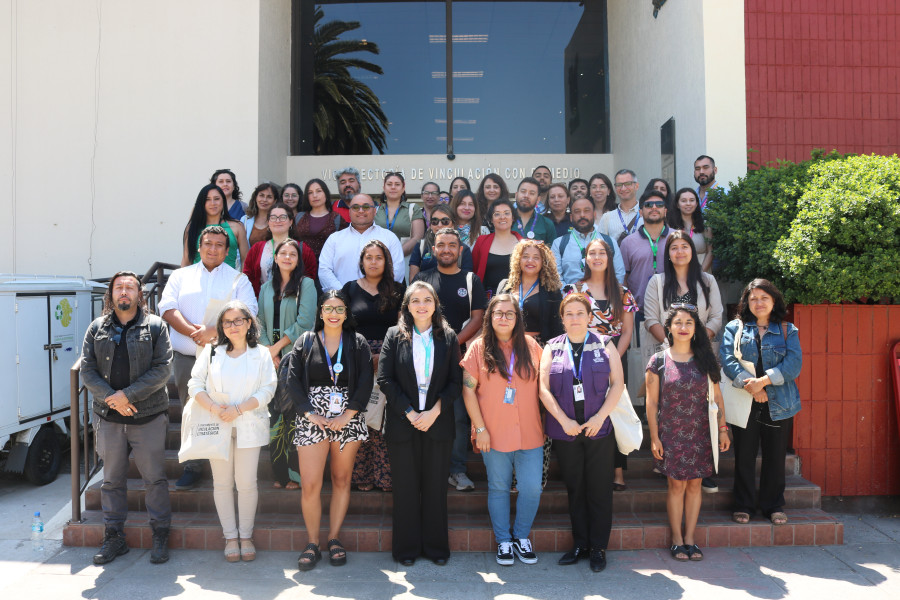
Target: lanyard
653 243
428 348
512 361
387 217
523 296
593 237
572 356
534 219
337 368
705 195
624 226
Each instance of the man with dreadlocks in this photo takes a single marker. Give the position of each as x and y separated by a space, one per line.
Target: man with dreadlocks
126 363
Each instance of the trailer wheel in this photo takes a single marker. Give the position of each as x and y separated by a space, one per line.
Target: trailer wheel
44 457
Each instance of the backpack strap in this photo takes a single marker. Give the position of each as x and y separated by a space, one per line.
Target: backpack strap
563 243
469 277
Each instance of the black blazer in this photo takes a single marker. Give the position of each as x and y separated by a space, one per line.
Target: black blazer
548 303
359 371
397 379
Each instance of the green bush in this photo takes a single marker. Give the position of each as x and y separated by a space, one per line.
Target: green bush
844 243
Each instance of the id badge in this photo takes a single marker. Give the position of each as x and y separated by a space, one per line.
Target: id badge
579 392
509 396
335 402
583 262
423 391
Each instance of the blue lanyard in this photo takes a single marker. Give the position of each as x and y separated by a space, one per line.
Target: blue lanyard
337 367
512 361
572 357
428 348
624 226
523 296
387 217
533 223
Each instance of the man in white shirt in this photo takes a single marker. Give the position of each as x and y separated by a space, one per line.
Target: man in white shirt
339 259
188 305
569 249
626 219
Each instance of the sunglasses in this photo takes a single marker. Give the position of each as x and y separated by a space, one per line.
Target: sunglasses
683 306
445 221
654 204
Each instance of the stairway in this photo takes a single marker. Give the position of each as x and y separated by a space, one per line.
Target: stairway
639 513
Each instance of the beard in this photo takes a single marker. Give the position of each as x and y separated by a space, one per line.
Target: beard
447 261
703 179
124 304
654 220
583 226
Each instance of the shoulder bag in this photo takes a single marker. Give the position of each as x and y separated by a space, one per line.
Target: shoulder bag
737 400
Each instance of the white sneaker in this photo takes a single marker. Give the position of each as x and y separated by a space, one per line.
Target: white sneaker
461 481
505 554
522 548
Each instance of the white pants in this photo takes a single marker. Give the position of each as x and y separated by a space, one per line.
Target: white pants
239 471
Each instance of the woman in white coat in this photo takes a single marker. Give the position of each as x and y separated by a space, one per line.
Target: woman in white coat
238 372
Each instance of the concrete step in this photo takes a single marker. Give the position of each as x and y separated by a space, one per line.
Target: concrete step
472 533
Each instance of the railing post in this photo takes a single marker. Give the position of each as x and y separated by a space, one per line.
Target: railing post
75 432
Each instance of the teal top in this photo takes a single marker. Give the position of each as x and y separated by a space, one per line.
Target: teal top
232 256
543 228
295 320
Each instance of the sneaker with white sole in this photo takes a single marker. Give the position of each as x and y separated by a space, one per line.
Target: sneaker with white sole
505 554
461 482
522 548
709 485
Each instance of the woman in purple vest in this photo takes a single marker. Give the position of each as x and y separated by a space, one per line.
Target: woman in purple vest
577 370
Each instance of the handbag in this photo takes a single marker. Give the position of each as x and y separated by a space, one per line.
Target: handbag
375 409
738 401
282 401
713 422
203 435
626 425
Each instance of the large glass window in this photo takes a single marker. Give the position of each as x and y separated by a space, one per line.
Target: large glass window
527 77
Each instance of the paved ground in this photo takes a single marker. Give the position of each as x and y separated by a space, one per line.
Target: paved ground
866 566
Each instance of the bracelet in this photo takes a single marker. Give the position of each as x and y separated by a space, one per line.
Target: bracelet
238 408
480 429
723 428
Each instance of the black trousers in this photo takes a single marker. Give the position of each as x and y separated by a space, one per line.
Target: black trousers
419 469
586 466
774 437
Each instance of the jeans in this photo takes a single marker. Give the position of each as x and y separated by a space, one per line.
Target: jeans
528 465
460 451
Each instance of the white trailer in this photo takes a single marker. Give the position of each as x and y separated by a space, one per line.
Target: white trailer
45 318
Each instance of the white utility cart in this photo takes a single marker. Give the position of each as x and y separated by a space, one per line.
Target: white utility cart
44 318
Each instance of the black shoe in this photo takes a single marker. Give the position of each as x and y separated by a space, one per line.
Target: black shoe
160 552
187 481
113 545
598 560
709 485
572 556
440 561
408 562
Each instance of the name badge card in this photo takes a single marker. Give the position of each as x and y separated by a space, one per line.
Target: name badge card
335 403
423 391
579 392
509 396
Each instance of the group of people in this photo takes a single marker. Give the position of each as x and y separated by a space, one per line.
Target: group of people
401 335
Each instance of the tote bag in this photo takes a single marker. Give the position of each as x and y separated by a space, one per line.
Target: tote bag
375 409
713 422
626 425
737 400
204 435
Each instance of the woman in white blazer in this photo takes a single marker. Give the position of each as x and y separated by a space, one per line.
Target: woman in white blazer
682 282
235 379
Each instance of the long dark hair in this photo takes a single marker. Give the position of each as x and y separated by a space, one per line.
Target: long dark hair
477 218
388 290
252 333
236 193
349 322
109 305
610 200
779 309
253 207
304 200
614 291
493 355
406 323
704 356
481 201
399 176
197 222
443 209
695 273
294 282
669 196
676 219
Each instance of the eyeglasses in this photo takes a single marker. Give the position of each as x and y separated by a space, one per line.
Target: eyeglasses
339 310
624 184
683 306
445 221
509 315
279 218
361 207
239 322
430 194
654 204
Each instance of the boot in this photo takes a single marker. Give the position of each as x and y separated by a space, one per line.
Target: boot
113 545
160 552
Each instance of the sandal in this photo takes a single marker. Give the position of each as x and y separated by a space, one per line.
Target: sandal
335 548
679 553
277 485
694 553
292 485
619 487
740 517
248 550
778 518
310 557
365 487
232 550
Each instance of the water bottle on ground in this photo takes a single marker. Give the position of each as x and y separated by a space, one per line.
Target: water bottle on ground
37 533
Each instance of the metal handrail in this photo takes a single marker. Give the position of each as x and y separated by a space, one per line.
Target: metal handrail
80 436
156 274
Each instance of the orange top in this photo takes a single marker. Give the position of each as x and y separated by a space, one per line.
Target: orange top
514 426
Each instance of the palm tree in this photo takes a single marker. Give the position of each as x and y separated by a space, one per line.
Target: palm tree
347 116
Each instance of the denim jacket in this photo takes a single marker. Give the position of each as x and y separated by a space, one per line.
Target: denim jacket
149 365
782 362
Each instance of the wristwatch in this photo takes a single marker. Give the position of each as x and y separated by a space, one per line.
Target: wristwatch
480 429
409 409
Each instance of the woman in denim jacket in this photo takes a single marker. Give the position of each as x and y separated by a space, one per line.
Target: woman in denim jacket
772 345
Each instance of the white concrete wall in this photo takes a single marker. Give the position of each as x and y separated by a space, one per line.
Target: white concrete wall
274 89
121 110
688 64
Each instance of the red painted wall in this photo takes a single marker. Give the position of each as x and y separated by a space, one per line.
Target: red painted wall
822 74
846 431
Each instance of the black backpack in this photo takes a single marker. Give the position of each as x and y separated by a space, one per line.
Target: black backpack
282 401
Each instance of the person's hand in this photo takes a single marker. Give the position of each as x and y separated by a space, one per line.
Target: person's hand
483 441
571 427
761 396
426 419
754 385
339 422
593 425
656 448
229 413
724 441
275 354
119 402
412 416
318 420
